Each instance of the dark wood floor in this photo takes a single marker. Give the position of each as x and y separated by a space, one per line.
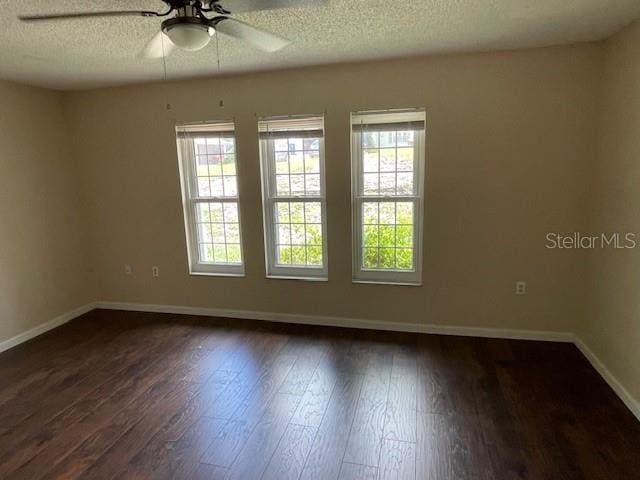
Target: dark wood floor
131 395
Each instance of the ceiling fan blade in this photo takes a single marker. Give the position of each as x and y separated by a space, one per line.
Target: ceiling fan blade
160 45
260 39
239 6
75 15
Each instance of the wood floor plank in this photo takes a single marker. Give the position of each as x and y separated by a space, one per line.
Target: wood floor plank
290 456
401 410
397 461
351 471
316 398
204 471
120 453
164 456
252 374
265 438
173 459
74 463
366 434
327 451
226 446
451 448
303 369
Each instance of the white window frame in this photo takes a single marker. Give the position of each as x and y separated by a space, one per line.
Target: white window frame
270 198
387 276
190 198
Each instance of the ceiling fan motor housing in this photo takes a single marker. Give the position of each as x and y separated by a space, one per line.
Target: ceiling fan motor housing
188 30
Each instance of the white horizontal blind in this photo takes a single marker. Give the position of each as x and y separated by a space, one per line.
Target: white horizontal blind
387 189
208 169
292 164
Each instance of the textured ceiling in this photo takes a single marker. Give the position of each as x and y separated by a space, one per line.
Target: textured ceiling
89 53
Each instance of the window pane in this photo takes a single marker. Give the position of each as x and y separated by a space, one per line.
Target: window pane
370 139
312 184
297 184
282 213
218 230
229 165
206 252
312 162
299 226
387 159
314 256
387 184
404 184
387 139
284 255
404 213
313 212
370 162
370 258
404 258
311 144
296 162
204 188
405 159
370 213
370 186
213 146
231 212
297 212
220 253
282 162
292 157
282 185
387 235
228 144
233 254
215 164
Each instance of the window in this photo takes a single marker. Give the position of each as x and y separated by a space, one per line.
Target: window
387 175
208 169
292 161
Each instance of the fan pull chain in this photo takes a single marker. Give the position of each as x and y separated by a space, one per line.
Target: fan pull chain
164 67
221 103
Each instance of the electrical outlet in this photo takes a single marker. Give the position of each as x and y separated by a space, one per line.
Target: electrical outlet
155 271
521 288
128 270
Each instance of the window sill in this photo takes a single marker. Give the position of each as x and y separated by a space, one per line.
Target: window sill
388 282
293 277
216 274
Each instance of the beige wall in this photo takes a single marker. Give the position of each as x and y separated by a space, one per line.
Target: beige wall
41 260
511 143
614 331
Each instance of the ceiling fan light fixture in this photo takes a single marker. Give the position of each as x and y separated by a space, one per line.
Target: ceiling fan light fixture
189 36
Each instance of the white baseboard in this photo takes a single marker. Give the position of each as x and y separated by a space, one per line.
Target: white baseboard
631 403
45 327
344 322
566 337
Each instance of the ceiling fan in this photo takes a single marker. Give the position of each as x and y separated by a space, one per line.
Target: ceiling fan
195 22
